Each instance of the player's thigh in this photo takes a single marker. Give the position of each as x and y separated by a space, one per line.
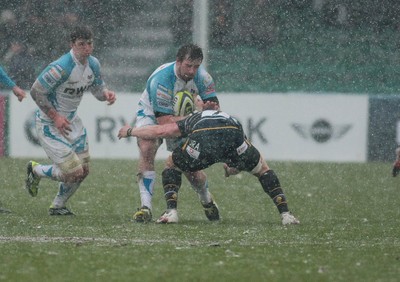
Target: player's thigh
249 160
79 139
68 152
55 145
187 163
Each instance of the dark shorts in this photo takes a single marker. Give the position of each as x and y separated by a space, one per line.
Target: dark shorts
222 146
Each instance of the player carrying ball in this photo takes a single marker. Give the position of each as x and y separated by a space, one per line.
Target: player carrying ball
212 137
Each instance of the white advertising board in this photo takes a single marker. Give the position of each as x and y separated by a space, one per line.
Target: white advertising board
293 127
304 127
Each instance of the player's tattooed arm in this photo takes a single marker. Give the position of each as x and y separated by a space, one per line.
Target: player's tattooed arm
38 93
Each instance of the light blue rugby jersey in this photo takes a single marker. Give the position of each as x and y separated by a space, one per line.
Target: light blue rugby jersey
164 83
66 79
5 79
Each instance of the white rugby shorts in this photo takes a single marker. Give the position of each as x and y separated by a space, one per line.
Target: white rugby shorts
58 147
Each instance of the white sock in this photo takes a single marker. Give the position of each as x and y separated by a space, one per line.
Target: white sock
48 171
146 187
204 194
65 191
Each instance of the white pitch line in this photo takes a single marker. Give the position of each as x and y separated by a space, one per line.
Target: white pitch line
46 239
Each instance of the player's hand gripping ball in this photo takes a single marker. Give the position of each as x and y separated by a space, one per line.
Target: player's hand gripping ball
183 103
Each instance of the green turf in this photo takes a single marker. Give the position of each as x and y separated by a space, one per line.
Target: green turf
349 228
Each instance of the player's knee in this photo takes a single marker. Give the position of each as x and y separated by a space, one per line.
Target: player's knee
197 179
74 169
171 178
85 172
85 160
269 181
74 176
148 147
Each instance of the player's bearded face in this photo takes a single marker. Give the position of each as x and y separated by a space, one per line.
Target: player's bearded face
187 68
82 48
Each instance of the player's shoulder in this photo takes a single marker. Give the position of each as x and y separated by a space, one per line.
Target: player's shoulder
164 75
164 70
93 62
64 64
202 76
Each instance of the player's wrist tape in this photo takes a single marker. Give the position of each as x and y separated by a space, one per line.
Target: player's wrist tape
129 131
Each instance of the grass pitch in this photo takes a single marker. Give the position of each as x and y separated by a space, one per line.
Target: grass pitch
349 213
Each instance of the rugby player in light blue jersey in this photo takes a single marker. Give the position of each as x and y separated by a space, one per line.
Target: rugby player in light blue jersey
58 92
156 106
9 83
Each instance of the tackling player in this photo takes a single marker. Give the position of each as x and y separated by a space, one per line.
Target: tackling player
58 92
212 137
156 107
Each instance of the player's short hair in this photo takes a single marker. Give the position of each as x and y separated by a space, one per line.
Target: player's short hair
81 32
189 51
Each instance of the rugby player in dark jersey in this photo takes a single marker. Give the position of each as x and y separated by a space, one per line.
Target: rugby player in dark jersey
212 137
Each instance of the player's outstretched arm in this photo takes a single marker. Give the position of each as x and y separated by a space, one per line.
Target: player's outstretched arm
151 131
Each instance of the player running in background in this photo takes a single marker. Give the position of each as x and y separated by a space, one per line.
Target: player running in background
9 83
212 137
156 107
58 92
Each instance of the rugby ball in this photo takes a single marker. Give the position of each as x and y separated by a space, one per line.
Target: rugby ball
183 103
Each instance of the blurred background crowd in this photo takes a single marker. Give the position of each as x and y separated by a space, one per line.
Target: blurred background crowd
255 45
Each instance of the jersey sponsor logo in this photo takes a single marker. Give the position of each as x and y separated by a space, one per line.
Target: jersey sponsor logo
76 91
210 89
193 149
49 79
55 73
242 148
164 104
162 88
163 95
192 152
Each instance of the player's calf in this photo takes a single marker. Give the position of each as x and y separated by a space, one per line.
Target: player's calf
271 185
172 180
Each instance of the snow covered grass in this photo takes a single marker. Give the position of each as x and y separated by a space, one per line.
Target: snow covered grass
349 213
